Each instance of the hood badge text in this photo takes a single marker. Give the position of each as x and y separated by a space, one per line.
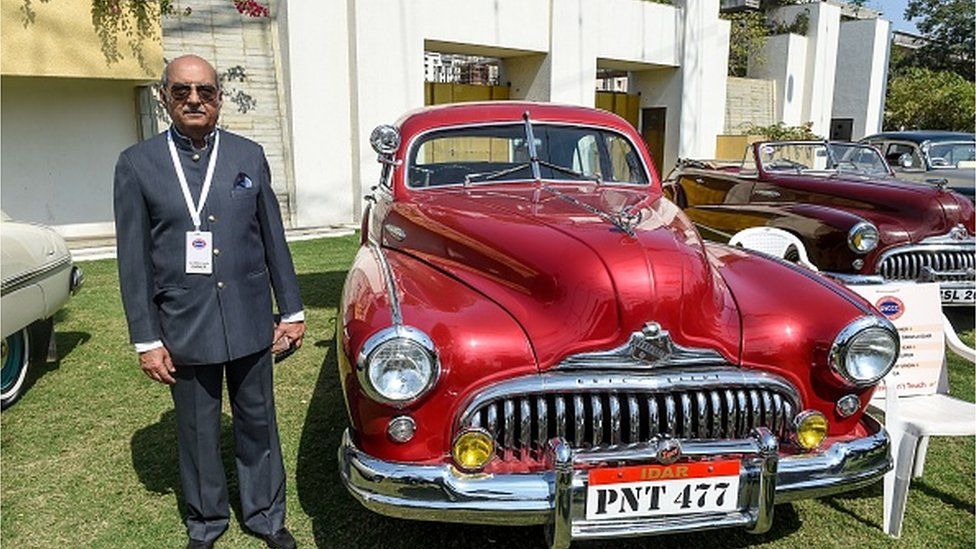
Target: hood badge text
651 344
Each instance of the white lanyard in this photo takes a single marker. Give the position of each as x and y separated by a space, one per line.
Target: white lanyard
194 210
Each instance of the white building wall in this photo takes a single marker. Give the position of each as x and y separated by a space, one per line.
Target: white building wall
704 70
821 61
61 139
783 60
861 72
351 66
315 52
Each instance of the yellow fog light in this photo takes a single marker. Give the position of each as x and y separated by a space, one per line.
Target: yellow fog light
473 449
811 429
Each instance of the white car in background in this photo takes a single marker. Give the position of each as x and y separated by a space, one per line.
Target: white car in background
37 276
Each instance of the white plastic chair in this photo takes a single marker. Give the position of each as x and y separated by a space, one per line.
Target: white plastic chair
772 241
910 421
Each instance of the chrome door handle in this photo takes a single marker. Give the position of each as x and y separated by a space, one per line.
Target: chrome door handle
770 194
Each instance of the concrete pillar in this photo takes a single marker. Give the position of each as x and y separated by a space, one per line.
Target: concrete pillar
862 70
704 73
783 60
315 58
821 60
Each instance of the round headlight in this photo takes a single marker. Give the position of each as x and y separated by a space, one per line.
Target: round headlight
865 350
473 449
811 429
863 237
397 365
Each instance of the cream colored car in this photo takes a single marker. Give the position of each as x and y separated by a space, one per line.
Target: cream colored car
37 278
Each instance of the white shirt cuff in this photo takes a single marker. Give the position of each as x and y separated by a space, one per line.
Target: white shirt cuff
148 346
294 317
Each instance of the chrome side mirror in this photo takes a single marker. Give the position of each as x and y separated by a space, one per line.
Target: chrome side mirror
905 160
385 139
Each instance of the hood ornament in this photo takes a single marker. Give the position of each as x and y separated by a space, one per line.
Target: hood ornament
651 344
668 451
958 232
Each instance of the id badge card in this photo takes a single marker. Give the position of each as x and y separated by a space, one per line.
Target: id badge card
199 252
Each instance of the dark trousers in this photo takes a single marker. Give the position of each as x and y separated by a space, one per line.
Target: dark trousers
260 471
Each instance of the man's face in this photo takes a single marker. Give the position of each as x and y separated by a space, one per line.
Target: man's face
191 96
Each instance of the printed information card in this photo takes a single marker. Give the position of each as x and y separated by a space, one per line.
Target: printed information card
916 310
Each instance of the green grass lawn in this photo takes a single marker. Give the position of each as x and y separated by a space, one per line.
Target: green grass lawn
89 453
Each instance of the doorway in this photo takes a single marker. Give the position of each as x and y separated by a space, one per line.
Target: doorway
652 130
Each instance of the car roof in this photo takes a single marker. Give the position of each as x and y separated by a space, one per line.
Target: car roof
921 136
507 111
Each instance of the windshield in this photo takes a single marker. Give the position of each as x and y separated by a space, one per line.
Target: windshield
822 158
951 154
501 153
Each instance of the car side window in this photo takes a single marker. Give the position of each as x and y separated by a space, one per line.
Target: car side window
895 150
624 163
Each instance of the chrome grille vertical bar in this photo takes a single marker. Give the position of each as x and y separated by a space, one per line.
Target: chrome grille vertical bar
787 416
777 422
716 431
653 417
560 404
702 414
633 414
670 416
741 428
731 424
616 421
579 420
685 415
767 404
492 419
525 428
542 421
509 433
596 405
754 412
475 420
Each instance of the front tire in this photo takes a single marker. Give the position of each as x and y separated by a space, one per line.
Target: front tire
16 359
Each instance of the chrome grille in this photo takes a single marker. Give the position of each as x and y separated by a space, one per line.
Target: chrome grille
523 421
935 265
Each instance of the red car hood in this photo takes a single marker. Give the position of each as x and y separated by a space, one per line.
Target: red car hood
901 210
572 280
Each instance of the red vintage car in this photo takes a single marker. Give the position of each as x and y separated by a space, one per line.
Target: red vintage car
532 334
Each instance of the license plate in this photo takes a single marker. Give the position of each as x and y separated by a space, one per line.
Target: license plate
653 490
957 295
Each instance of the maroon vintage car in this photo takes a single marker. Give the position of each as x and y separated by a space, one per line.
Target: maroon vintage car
857 222
532 334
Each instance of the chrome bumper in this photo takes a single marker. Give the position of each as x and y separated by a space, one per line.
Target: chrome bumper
555 497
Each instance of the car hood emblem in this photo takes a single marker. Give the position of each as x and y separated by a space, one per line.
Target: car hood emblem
651 344
668 451
958 232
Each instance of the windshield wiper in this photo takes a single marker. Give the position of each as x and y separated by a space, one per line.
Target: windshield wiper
496 174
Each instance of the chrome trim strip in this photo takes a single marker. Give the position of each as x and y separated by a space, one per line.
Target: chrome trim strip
34 275
410 144
442 493
391 290
620 357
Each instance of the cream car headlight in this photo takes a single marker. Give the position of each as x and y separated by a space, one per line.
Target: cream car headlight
863 237
865 350
397 365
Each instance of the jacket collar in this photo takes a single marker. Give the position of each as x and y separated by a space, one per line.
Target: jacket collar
186 143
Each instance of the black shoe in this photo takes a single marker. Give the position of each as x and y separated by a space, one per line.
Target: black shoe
197 544
282 539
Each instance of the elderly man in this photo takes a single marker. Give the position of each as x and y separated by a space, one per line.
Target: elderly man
200 246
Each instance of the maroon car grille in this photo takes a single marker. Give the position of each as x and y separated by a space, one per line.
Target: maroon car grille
522 424
929 265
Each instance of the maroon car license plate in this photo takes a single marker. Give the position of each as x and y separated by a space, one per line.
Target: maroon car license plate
653 490
958 295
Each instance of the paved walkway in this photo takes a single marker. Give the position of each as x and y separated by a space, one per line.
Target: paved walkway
90 249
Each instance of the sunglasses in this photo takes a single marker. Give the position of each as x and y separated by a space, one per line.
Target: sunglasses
181 92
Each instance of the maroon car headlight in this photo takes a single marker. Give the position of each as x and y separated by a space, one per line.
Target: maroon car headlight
865 350
397 365
863 237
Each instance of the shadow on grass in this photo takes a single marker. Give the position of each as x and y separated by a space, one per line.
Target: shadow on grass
321 290
156 461
338 520
948 499
40 366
